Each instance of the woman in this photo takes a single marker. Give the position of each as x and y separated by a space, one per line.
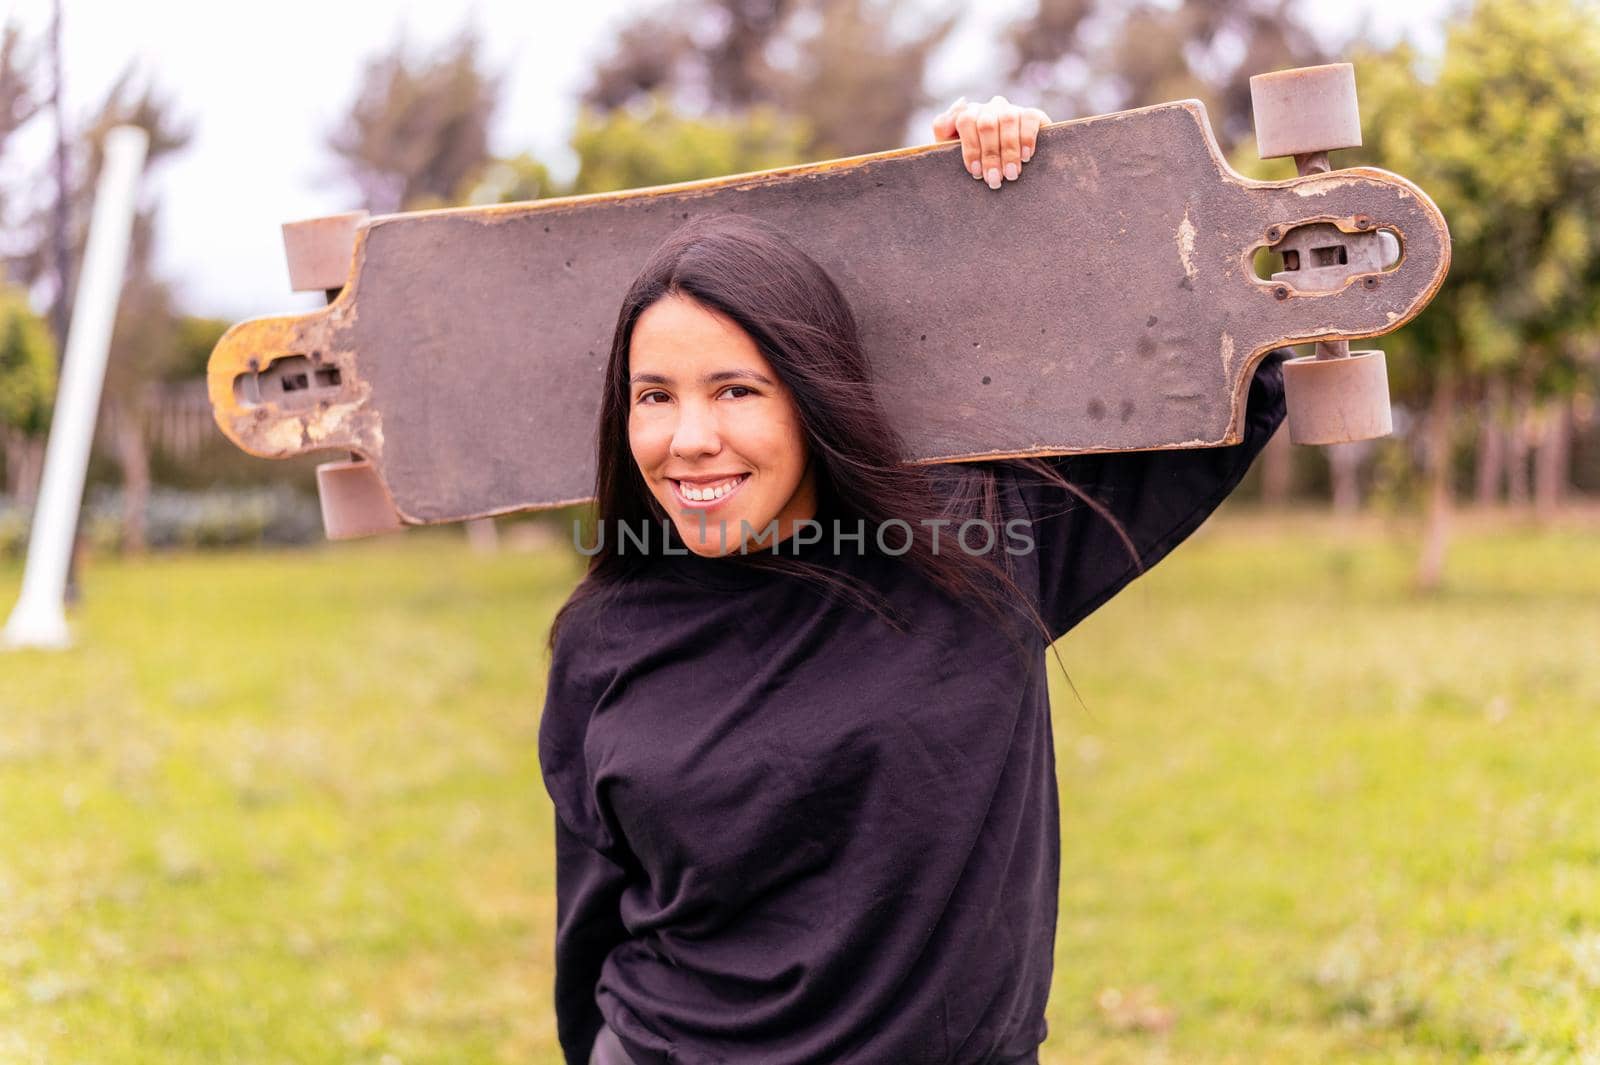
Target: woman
804 783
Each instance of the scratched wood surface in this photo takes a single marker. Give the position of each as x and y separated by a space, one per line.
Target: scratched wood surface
1105 301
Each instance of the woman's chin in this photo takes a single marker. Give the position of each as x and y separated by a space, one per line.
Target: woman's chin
713 539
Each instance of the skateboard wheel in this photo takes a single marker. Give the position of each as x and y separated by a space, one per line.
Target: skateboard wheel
354 501
1306 110
319 250
1336 401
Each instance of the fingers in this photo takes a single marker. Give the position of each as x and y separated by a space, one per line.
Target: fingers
996 137
989 143
971 149
1029 123
1011 143
944 126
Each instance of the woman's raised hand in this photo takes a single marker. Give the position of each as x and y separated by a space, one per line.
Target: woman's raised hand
996 137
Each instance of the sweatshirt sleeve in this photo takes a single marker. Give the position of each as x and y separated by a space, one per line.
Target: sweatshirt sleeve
589 877
1158 497
588 925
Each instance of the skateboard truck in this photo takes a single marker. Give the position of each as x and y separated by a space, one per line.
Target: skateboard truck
354 500
1334 395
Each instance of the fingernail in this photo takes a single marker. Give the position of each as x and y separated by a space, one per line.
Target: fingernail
993 178
976 168
1011 171
1027 153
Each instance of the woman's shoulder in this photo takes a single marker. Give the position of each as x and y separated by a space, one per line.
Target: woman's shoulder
582 667
583 626
602 622
580 642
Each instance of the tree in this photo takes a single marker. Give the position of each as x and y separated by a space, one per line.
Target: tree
26 383
417 134
19 103
131 100
18 100
142 341
144 345
1505 135
850 69
623 150
196 338
1082 57
709 56
513 180
27 386
853 81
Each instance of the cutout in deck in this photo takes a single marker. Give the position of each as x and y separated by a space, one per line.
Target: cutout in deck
1321 257
291 382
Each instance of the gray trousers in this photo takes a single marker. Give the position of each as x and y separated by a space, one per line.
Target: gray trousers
608 1049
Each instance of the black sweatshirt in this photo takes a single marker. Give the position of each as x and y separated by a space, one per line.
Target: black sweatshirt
787 833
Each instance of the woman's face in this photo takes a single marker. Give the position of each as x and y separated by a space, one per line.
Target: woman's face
715 433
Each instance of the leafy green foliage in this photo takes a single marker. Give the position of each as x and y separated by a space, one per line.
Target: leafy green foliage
623 149
195 340
1504 133
521 177
27 365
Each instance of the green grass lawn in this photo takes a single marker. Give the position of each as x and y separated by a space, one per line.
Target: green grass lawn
286 808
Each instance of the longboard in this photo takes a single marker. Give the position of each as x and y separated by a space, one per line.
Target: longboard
1106 301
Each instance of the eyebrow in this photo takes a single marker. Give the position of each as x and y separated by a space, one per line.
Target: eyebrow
708 379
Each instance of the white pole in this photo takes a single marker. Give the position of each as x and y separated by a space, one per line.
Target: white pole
39 619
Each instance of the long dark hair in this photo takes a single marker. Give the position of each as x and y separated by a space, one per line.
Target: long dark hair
749 271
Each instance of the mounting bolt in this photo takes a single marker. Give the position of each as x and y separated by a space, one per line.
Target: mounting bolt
1281 293
1363 222
1369 282
1274 234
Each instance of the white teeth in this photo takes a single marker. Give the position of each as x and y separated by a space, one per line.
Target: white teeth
708 492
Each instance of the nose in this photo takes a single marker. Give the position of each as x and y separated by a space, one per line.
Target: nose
696 432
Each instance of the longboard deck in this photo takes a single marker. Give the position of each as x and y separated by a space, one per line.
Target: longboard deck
1105 301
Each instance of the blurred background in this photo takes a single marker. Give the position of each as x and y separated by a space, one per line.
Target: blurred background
1328 778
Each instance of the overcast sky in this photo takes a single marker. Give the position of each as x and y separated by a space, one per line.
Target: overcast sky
263 82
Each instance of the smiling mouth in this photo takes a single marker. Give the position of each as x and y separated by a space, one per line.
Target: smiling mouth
707 495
